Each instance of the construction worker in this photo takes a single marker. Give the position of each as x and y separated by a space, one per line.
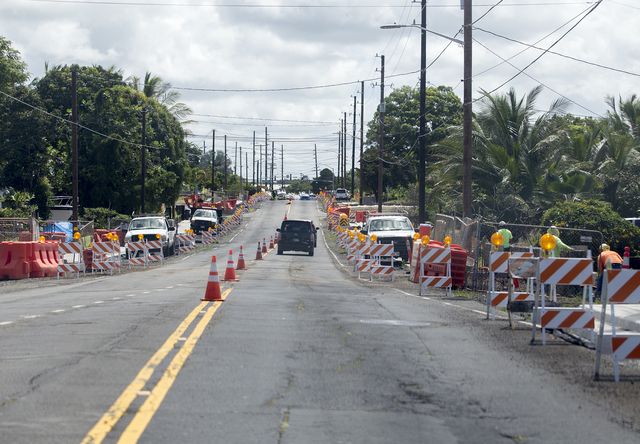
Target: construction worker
606 255
506 235
560 246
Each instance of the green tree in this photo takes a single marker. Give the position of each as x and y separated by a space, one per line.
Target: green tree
402 120
13 71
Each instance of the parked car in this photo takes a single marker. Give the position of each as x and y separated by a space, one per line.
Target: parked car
342 194
203 219
297 235
149 227
391 228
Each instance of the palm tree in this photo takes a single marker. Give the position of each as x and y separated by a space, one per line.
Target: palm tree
155 88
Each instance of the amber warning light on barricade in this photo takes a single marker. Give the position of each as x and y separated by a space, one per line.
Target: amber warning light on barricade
548 242
425 239
416 236
76 235
373 237
497 239
140 236
447 240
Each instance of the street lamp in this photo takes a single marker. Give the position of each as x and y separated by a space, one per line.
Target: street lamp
422 137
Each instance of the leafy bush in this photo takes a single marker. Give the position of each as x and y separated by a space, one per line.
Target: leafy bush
595 215
99 216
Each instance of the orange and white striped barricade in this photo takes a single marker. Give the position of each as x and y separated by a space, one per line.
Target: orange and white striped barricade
157 256
352 246
72 250
378 252
499 263
564 271
618 287
209 237
186 243
363 261
106 256
137 253
440 256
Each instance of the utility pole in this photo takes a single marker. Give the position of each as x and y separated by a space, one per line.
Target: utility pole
344 152
266 154
466 113
381 143
213 164
235 161
246 170
353 150
423 117
315 156
282 166
339 151
225 164
254 158
273 156
361 141
74 143
144 158
240 169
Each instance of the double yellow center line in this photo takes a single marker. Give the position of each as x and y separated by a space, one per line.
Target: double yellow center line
142 418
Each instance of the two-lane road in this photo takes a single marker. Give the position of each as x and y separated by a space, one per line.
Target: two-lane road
298 353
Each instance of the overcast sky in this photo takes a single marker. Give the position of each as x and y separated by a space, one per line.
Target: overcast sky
294 66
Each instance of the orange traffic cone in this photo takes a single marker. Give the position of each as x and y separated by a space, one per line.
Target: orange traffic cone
241 265
258 253
264 245
213 285
271 243
275 238
230 274
285 215
625 259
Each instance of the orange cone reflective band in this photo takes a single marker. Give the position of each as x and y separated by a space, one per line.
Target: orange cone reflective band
259 252
271 243
264 245
230 273
213 286
275 238
241 265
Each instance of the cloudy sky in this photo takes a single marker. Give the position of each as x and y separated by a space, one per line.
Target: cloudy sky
294 66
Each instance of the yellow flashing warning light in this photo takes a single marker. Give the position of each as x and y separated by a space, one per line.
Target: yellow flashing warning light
140 236
416 236
425 239
41 238
548 242
76 235
373 237
158 236
447 240
497 239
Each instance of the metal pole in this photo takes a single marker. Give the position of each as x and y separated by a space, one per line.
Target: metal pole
423 117
380 151
467 113
225 164
74 143
353 151
144 158
361 141
213 164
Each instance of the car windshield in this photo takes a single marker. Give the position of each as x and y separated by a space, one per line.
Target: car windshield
390 225
204 213
296 227
143 224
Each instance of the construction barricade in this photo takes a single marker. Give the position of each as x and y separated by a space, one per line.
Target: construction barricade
14 260
70 258
44 259
618 287
209 237
363 260
563 271
106 256
499 263
380 252
157 256
439 260
186 243
137 253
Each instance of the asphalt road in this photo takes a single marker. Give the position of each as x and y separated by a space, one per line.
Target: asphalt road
300 352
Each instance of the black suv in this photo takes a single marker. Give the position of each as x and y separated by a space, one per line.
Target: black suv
296 235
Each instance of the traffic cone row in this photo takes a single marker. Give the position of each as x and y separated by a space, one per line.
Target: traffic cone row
264 245
259 252
230 274
213 285
271 243
241 264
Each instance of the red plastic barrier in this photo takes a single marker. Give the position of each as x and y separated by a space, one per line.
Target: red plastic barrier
232 202
342 210
87 254
44 259
14 260
359 216
458 265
